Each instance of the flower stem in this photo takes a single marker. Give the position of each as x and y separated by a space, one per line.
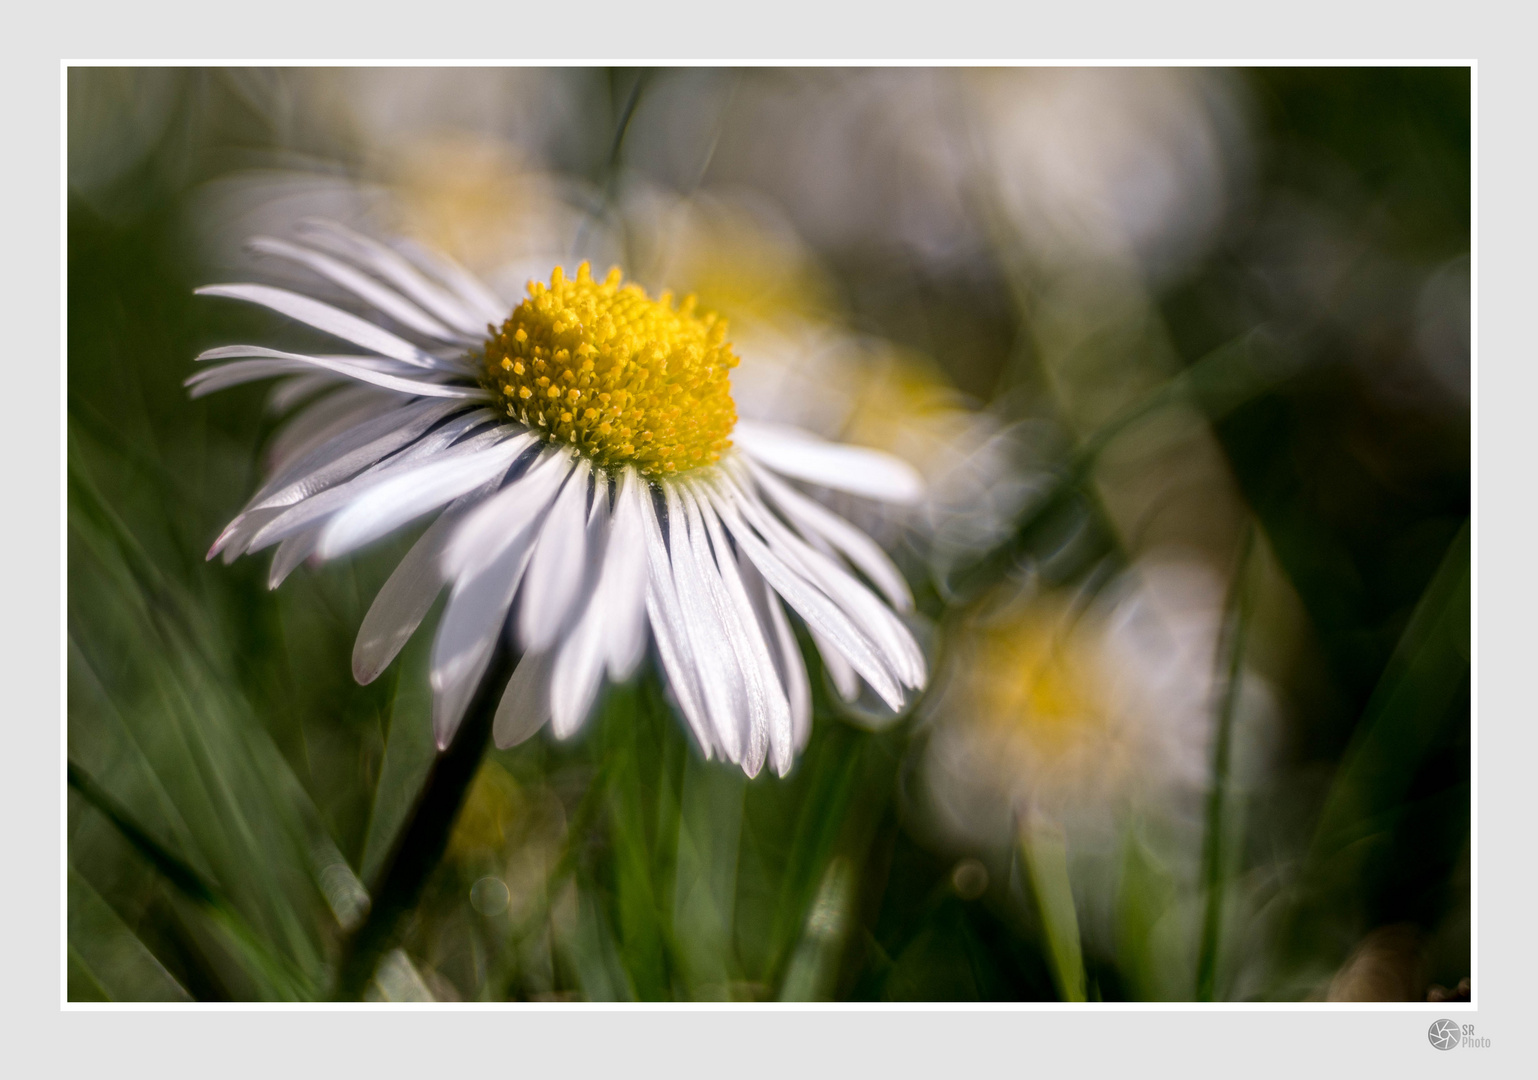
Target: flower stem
419 846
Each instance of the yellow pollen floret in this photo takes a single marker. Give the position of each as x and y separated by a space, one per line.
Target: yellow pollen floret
628 371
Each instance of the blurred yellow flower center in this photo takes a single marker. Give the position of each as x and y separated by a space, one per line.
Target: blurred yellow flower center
626 379
1042 684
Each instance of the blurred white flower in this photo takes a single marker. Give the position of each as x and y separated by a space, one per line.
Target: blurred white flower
734 249
482 202
1076 712
1129 166
1134 166
871 159
475 199
591 480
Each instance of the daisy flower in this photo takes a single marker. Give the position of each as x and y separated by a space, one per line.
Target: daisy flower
593 490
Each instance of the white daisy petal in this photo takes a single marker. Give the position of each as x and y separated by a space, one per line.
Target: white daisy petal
665 612
224 376
845 682
306 360
353 368
820 613
813 519
405 599
346 455
486 529
578 670
332 369
324 317
345 407
525 704
432 449
624 581
362 286
389 265
289 555
389 505
237 535
789 662
751 669
900 652
354 433
466 286
508 524
720 683
855 469
558 565
468 632
758 663
290 392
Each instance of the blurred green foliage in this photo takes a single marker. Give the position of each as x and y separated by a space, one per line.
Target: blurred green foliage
233 794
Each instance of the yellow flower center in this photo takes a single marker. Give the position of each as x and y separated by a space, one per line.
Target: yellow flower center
625 379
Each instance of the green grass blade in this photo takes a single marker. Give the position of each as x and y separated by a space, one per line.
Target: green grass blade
282 979
107 961
1412 703
1213 876
1044 852
813 966
705 890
